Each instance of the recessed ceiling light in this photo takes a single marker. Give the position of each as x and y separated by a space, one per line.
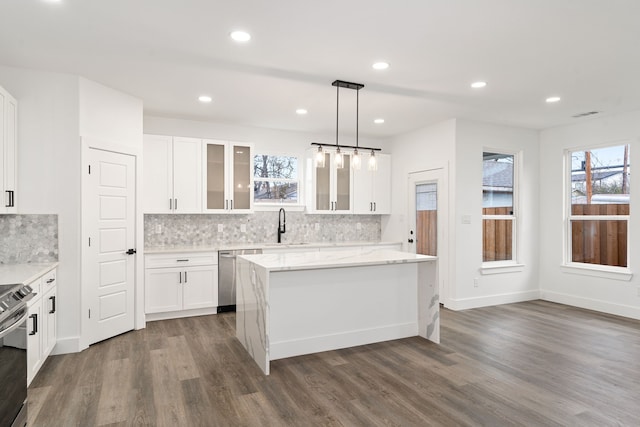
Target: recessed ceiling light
478 85
380 65
240 36
301 111
552 99
204 98
378 121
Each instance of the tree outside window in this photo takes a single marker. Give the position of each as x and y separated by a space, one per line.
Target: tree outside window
275 179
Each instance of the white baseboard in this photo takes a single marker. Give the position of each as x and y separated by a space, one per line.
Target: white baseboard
489 300
67 345
150 317
591 304
279 350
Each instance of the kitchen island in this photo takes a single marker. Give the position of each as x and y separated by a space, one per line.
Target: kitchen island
290 304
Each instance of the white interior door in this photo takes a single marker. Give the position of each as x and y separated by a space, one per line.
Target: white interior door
428 225
109 217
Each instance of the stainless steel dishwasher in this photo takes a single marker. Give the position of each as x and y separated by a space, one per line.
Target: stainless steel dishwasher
227 277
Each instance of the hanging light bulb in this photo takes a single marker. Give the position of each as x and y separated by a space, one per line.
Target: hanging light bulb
339 159
356 160
320 157
373 162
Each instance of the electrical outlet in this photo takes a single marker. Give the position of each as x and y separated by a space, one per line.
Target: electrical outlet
220 228
243 228
158 228
475 282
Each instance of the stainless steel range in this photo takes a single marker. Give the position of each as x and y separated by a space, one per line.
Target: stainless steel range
13 354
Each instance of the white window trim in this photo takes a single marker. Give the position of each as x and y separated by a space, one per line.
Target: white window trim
514 264
276 205
587 269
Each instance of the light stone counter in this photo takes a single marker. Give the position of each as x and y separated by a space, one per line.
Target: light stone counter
264 246
24 273
291 304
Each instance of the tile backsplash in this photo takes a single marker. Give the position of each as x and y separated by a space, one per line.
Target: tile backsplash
28 238
259 227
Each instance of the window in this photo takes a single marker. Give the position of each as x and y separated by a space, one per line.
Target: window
498 207
598 214
275 179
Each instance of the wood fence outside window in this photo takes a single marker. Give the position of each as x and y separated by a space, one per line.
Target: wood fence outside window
602 242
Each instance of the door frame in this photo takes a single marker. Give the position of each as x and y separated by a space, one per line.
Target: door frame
87 144
441 178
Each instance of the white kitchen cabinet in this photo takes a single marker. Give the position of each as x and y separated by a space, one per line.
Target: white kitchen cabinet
228 176
180 284
329 188
40 334
172 174
372 189
8 152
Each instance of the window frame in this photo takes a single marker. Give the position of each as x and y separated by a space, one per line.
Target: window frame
275 205
514 264
583 268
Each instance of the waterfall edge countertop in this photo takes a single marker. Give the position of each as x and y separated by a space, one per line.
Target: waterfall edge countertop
24 273
318 260
264 246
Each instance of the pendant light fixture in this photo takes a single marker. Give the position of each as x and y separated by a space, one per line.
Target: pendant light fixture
338 157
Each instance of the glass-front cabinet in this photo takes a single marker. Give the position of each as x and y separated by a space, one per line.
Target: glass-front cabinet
331 186
228 168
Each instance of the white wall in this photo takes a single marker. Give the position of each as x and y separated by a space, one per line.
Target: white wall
456 146
597 293
49 171
472 138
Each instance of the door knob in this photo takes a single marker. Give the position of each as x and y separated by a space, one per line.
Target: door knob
130 252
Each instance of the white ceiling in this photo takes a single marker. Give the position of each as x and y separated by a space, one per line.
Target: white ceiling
168 52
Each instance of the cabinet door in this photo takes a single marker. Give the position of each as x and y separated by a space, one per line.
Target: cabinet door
363 191
157 194
323 200
342 186
241 177
34 339
163 290
10 155
215 195
49 320
200 287
187 175
382 185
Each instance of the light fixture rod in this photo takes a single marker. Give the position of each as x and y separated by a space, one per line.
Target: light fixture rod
357 114
347 85
337 112
323 144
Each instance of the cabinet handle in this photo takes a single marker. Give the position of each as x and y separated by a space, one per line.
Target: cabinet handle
182 260
231 204
53 304
34 325
175 204
170 204
185 277
10 194
226 204
180 279
370 206
51 280
375 207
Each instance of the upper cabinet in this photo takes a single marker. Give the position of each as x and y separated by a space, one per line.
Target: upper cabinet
228 177
8 152
372 189
172 174
331 188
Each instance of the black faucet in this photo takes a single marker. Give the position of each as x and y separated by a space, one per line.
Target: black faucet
282 220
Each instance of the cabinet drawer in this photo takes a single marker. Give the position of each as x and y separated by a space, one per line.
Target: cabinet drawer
48 280
181 259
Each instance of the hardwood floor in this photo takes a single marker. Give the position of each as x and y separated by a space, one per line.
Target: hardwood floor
530 364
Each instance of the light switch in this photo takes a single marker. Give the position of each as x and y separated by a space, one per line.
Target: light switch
243 228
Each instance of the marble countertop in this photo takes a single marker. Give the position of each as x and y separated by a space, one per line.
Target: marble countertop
234 246
24 273
321 260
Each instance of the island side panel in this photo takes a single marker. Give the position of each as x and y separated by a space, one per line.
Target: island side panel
252 311
332 308
428 301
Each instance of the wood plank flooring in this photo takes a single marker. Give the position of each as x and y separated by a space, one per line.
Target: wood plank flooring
529 364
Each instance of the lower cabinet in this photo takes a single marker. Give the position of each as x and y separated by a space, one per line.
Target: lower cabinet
180 285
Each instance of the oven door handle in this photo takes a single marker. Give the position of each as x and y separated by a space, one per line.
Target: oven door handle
13 327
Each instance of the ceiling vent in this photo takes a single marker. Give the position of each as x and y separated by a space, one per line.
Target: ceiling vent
588 113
